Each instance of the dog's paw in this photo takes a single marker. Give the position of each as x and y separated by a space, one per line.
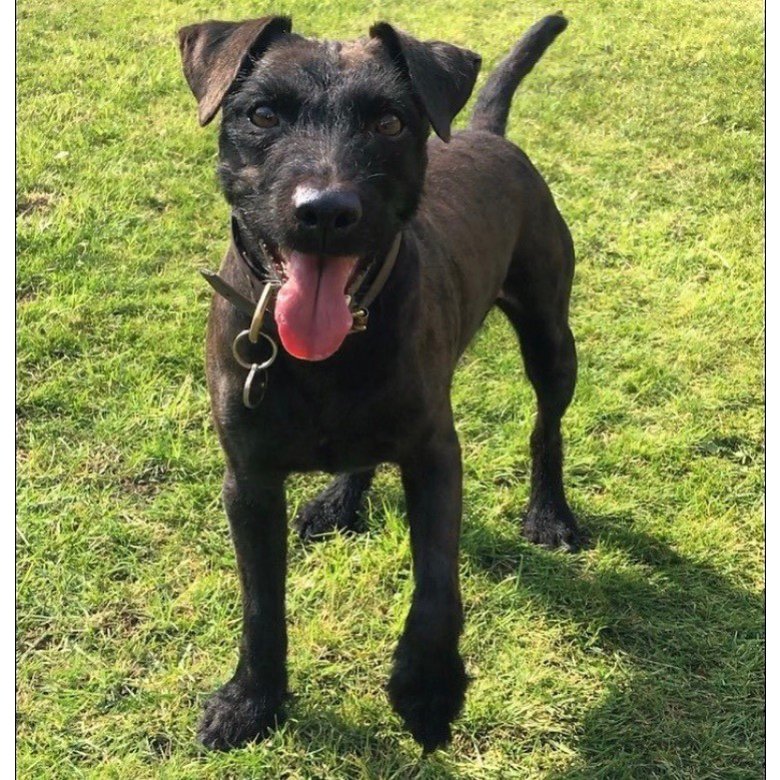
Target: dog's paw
553 527
234 716
330 511
428 694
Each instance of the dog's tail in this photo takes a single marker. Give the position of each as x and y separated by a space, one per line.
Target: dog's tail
492 107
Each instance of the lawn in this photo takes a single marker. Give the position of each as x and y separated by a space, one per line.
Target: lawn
640 657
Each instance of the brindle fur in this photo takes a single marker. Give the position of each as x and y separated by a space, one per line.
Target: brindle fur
480 228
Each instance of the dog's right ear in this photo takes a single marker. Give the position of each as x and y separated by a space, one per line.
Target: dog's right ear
213 54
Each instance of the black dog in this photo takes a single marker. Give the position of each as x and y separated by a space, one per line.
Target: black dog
339 198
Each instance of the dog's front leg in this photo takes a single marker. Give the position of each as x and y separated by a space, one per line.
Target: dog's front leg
428 682
251 702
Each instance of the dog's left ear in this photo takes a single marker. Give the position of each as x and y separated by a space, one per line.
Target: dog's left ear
213 54
441 75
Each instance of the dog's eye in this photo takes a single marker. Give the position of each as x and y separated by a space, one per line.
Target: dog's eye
263 116
389 124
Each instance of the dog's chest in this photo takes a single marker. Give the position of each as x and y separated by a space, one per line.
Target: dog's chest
340 423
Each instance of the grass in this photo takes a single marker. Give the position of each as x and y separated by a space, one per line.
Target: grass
641 657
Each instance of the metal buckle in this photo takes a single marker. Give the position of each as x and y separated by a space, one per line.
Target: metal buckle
359 320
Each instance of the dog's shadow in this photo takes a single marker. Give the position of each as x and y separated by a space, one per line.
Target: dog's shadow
675 625
366 752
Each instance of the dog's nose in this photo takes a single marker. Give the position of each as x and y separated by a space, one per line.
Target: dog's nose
331 212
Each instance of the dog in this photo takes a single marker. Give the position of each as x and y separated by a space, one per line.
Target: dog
366 252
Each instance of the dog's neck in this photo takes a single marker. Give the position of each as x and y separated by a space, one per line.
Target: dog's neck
363 290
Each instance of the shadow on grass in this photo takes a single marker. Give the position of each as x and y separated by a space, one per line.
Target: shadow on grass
689 641
370 753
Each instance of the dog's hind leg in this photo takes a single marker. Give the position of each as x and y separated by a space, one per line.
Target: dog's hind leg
537 307
337 508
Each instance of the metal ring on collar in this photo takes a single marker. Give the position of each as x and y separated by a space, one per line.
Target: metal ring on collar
257 366
247 394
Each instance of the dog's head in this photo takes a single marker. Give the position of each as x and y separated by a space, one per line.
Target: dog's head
322 150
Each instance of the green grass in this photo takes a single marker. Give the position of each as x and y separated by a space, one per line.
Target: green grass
641 657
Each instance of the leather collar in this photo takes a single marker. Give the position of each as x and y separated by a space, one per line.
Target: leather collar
363 290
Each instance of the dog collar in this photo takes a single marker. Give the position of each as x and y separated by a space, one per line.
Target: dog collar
362 293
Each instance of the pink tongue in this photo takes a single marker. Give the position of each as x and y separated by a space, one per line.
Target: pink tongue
311 308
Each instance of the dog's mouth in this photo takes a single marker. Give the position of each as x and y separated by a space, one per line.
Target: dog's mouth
312 306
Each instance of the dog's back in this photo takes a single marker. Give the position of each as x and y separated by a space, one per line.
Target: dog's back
482 191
